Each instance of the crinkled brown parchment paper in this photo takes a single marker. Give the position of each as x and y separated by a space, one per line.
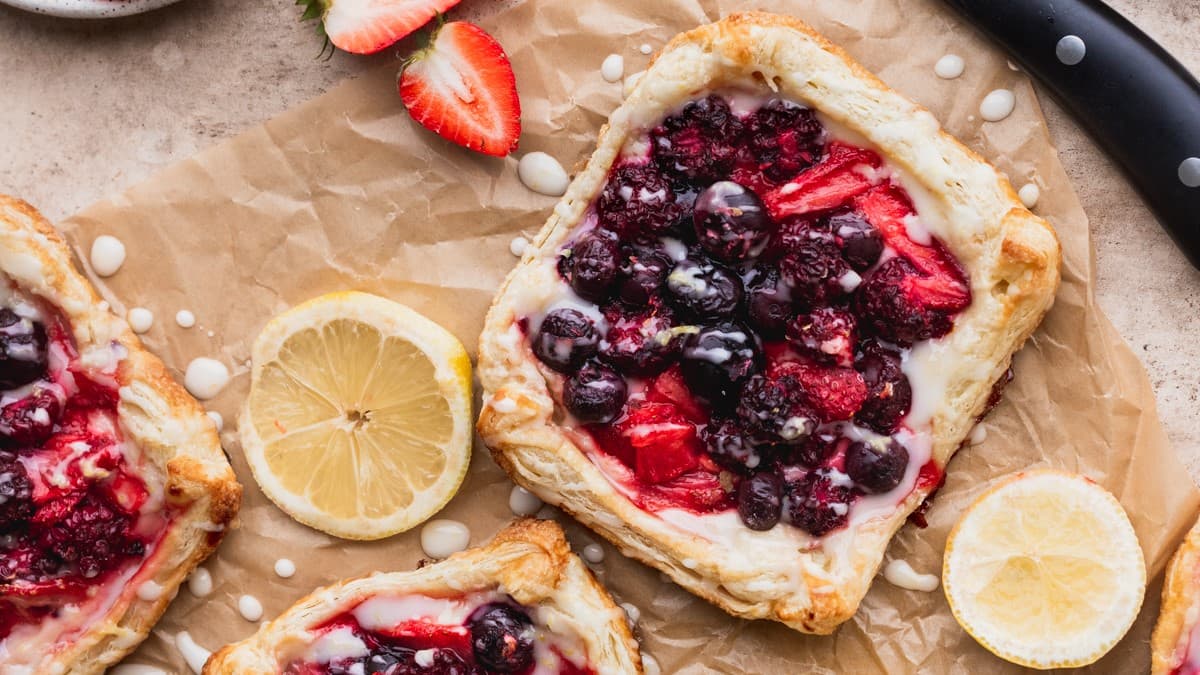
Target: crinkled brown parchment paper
346 192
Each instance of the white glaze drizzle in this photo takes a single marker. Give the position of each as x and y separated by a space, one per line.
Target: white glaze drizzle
997 105
543 174
949 66
613 68
200 583
250 608
193 654
108 254
900 573
140 319
285 568
205 377
522 502
185 319
441 538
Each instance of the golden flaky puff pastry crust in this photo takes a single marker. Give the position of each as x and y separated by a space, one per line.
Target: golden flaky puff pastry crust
529 559
1012 259
155 413
1180 610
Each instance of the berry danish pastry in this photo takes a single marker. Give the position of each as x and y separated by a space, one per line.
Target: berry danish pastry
760 321
113 485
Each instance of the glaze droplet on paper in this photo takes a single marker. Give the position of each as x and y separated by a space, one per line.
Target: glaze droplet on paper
193 654
1070 50
185 319
646 49
522 502
200 583
108 254
217 419
543 174
900 573
140 319
285 568
613 68
442 538
518 245
593 553
1189 172
997 105
250 608
978 434
1029 194
949 66
205 377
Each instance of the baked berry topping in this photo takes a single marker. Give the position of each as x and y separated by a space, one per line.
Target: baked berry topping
876 466
502 638
643 270
826 335
637 202
594 393
768 301
731 222
591 266
889 395
820 502
16 493
565 339
22 350
772 410
860 241
729 445
781 139
760 500
644 343
704 289
767 285
697 145
717 359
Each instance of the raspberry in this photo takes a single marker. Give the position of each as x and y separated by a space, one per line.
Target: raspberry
91 538
30 420
781 139
502 638
827 335
16 492
729 446
834 393
697 145
889 394
637 202
773 412
889 304
816 270
820 502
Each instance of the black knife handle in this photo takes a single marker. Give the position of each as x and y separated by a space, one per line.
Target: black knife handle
1139 103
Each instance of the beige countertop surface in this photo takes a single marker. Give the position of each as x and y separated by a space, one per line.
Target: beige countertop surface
90 108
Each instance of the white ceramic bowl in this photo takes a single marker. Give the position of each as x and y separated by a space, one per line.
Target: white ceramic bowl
88 9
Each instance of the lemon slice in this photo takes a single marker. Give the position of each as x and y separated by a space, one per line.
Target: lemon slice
1044 570
358 421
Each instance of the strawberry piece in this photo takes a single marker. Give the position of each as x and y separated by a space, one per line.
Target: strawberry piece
663 440
127 492
697 491
462 88
670 387
424 634
369 26
835 393
828 185
942 284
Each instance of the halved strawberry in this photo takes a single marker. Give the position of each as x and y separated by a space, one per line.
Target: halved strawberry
462 88
368 26
670 387
943 285
840 176
663 440
698 491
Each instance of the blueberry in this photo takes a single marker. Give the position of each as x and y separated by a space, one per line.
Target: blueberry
717 359
591 266
861 242
594 393
22 350
502 638
565 339
760 500
731 222
769 305
704 289
642 274
876 466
